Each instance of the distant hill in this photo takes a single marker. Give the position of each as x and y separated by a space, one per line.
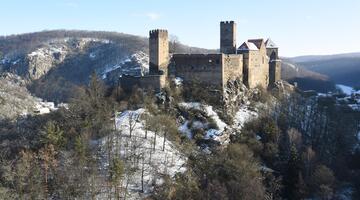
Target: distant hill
54 62
340 68
305 79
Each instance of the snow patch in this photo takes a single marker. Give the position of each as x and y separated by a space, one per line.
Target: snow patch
243 115
43 107
184 129
211 113
92 55
345 89
178 81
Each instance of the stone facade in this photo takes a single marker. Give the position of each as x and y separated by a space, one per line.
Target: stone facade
211 69
255 63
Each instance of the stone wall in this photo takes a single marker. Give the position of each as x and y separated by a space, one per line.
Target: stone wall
232 67
274 71
205 68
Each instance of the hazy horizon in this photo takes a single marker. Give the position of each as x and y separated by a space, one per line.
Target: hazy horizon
298 28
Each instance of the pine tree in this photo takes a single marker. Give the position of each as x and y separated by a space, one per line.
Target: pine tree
291 179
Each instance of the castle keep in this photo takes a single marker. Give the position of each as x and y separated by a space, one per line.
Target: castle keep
256 63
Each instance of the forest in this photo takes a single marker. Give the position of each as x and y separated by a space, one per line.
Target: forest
300 147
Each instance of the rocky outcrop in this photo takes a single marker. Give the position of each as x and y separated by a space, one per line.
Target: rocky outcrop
42 60
15 100
235 95
45 58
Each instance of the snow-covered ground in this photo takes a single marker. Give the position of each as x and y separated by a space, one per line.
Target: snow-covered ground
43 107
137 149
223 131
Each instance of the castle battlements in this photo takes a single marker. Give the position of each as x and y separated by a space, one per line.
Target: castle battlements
157 33
227 22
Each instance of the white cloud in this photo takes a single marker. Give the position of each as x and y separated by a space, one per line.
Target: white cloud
153 16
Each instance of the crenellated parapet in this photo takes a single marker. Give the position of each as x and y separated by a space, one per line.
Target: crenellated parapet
156 33
227 22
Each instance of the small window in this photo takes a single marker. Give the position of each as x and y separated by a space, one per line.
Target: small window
263 59
217 61
210 61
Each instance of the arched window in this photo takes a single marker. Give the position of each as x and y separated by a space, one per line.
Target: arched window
273 56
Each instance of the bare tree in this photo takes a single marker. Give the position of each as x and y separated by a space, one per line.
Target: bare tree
174 43
132 120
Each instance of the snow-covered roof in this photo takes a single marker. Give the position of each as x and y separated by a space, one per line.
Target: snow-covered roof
270 44
258 42
248 46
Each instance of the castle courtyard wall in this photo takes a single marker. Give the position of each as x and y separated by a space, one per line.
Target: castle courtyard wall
204 68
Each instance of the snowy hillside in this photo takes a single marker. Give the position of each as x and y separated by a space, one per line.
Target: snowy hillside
143 152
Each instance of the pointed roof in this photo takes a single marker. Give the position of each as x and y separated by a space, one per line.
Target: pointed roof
270 44
257 42
248 46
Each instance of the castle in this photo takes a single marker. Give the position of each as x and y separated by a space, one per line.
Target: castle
256 63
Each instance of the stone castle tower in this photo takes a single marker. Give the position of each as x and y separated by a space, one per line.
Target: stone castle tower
272 51
158 52
228 37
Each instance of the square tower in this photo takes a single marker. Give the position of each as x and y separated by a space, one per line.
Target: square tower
158 52
272 51
228 37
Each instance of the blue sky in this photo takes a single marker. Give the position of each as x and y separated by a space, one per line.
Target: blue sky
299 27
